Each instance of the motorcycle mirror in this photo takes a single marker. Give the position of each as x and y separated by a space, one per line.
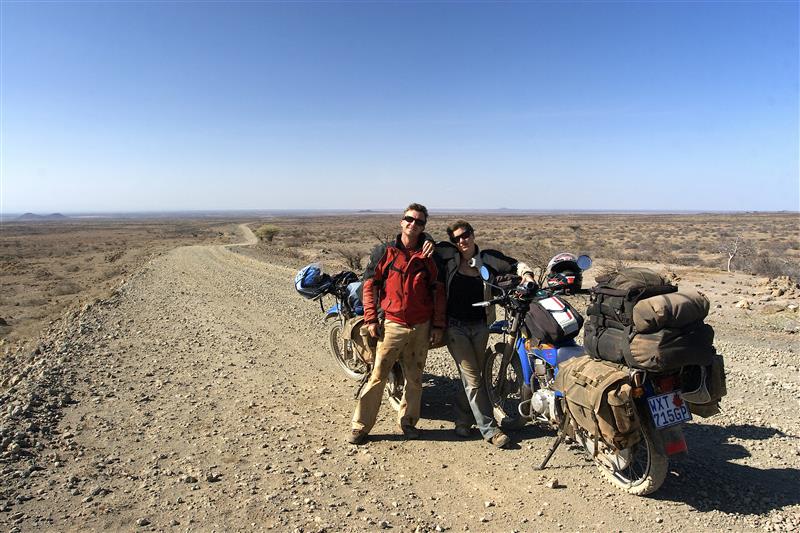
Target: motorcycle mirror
584 262
484 273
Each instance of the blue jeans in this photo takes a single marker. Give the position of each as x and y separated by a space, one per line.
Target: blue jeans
467 341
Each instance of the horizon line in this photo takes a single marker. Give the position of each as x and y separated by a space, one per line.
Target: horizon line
8 215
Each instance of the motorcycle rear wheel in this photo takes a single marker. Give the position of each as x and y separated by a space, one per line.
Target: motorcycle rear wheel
346 353
504 389
394 386
644 468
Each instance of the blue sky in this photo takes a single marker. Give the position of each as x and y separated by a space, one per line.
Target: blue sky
126 106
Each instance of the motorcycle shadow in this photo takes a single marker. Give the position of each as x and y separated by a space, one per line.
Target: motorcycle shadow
707 479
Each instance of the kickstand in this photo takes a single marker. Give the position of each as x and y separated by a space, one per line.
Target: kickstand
562 431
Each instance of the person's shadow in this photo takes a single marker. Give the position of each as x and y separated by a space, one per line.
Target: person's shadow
437 404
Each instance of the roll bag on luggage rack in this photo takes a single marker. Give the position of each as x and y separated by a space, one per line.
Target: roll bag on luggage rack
637 317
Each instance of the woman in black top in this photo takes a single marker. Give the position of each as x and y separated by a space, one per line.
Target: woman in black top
459 263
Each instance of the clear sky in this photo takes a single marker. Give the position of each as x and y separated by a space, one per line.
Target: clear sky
125 106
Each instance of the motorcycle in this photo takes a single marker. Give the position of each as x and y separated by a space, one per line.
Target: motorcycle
353 351
503 376
519 376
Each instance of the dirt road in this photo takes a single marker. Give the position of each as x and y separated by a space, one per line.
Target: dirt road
202 397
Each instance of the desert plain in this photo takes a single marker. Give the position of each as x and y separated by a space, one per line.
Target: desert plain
162 374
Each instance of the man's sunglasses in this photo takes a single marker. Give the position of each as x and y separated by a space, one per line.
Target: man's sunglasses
455 238
417 221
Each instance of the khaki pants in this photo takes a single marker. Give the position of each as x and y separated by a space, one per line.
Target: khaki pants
410 346
467 344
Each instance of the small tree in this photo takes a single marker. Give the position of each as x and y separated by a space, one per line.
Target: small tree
267 232
738 247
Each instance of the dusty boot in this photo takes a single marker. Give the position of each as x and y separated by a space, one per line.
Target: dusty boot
500 440
357 437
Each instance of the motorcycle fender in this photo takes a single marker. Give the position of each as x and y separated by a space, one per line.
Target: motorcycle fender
672 441
665 439
329 316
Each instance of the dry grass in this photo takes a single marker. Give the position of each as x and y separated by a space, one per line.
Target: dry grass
687 240
46 267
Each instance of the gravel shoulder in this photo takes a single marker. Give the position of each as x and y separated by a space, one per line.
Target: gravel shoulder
201 396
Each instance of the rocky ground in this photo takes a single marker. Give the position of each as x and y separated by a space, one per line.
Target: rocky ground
201 396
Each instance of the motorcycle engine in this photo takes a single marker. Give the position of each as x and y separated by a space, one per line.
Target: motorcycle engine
544 402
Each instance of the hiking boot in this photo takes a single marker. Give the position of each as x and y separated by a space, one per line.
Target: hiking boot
357 437
500 440
410 432
464 432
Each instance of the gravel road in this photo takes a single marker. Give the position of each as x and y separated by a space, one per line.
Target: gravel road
201 396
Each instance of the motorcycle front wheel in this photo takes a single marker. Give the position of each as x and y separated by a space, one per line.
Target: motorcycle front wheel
503 383
639 470
346 353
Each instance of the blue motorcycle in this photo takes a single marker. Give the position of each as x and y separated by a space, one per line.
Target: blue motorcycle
520 372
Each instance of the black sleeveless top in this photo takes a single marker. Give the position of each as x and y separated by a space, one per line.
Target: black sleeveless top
465 291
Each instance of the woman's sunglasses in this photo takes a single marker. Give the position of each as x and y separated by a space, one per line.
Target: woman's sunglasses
455 238
417 221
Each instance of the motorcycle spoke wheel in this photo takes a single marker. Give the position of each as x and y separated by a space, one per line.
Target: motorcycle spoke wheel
394 386
504 389
640 471
346 353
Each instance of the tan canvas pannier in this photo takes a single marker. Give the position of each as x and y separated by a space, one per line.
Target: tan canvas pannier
673 310
598 396
363 342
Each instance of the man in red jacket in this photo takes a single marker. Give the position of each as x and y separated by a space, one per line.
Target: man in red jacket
403 283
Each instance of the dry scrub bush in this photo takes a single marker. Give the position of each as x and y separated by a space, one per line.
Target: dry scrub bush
611 268
267 232
764 265
353 257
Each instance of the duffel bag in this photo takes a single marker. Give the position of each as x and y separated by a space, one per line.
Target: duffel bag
673 310
553 320
598 397
634 279
672 348
704 386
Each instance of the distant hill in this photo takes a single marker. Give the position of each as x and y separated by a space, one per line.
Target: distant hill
34 217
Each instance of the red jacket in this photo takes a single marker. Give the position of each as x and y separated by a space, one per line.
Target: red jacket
406 285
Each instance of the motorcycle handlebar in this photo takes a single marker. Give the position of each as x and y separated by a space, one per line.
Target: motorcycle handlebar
487 303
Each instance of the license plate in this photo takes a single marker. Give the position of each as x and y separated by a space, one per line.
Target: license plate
668 409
